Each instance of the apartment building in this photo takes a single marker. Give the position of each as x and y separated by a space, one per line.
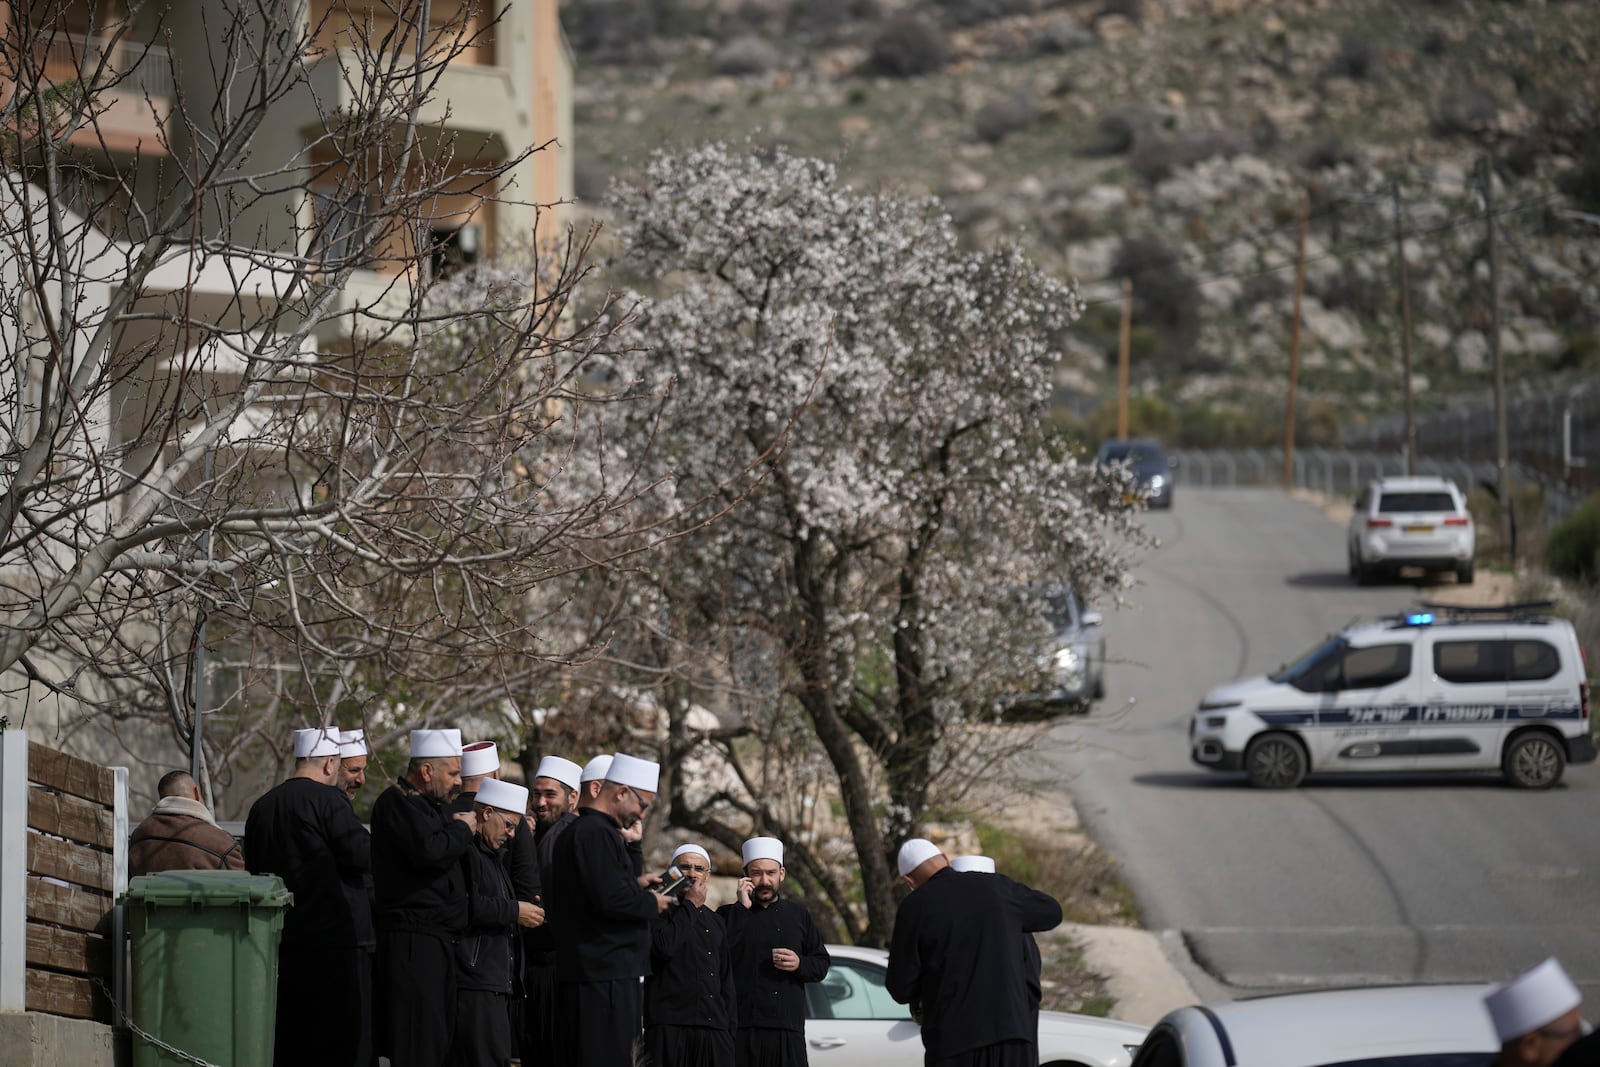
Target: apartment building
109 113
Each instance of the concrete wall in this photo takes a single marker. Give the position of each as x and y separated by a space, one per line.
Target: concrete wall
29 1039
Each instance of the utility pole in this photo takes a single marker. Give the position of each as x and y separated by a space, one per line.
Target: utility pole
1508 530
1124 342
1294 343
1405 328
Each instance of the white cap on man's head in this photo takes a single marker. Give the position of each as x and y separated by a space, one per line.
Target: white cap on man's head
507 796
914 853
435 744
480 757
973 864
595 770
1536 997
353 743
694 849
309 744
564 771
634 773
762 848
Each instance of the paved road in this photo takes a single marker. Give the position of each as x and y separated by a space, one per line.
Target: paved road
1348 879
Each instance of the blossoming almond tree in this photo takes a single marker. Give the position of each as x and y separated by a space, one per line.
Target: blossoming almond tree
908 504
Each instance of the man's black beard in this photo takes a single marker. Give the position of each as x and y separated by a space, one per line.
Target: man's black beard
765 894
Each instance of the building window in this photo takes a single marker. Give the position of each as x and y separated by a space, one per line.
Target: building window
453 249
346 222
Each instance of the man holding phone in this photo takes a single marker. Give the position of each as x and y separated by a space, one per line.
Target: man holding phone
776 950
689 1007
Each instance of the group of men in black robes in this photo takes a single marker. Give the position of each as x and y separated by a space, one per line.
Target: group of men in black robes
428 940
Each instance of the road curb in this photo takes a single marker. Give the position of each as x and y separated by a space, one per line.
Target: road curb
1145 983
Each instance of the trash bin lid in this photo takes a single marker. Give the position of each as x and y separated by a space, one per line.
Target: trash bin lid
218 888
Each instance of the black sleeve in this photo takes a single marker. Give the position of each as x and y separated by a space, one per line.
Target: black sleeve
671 929
1036 910
349 840
523 857
729 991
636 854
905 961
605 877
426 836
814 958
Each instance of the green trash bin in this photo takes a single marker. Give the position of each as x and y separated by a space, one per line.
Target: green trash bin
204 950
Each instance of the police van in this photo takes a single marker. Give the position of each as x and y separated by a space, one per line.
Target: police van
1439 689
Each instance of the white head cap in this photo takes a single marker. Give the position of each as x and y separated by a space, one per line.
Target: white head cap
353 743
507 796
564 771
595 770
695 849
309 744
432 744
1536 997
634 773
763 848
480 757
914 853
973 864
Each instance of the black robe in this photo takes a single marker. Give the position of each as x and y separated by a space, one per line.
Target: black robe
958 958
541 1034
306 833
421 908
486 963
602 939
770 999
690 1007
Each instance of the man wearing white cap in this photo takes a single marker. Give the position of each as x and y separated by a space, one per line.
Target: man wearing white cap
1537 1016
591 782
689 1002
421 908
304 831
352 762
1030 947
553 802
486 954
602 920
957 958
480 763
775 950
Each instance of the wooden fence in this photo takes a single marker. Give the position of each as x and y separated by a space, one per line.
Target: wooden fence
63 863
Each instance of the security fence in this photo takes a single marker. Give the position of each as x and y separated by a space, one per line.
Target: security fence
1343 472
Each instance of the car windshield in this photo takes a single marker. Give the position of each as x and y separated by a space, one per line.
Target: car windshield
1309 662
1393 502
1061 609
1134 453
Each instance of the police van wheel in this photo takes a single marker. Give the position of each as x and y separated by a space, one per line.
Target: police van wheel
1275 761
1534 761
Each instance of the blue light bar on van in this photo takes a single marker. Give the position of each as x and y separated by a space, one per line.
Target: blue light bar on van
1421 618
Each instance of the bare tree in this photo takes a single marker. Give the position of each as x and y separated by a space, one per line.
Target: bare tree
883 581
248 408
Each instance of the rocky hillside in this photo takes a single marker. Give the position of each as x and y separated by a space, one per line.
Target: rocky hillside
1174 142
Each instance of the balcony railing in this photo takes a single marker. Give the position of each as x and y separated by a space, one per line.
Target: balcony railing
107 62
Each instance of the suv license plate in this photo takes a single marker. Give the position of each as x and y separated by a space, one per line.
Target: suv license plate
1419 527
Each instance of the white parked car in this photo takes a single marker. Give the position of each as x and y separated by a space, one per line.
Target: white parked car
1411 522
1381 1026
852 1021
1440 689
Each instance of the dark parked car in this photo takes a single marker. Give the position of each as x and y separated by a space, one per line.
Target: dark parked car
1146 461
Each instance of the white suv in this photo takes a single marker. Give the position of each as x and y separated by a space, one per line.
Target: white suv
1442 689
1411 522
